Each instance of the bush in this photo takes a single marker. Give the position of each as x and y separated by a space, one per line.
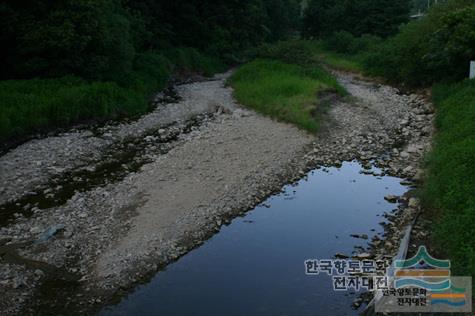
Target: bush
151 72
435 48
384 61
365 43
341 42
189 60
455 41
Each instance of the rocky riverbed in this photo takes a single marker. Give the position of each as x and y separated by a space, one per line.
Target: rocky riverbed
89 213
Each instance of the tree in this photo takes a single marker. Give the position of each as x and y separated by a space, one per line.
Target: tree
317 18
83 37
100 39
376 17
282 17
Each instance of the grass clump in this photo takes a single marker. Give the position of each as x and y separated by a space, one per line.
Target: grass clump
287 92
36 105
450 185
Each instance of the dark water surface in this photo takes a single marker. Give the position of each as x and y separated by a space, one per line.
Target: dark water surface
255 266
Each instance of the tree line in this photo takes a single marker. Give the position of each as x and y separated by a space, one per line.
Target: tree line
101 39
358 17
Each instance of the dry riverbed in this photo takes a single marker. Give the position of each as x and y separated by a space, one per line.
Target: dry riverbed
90 213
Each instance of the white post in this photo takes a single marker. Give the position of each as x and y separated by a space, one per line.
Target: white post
472 69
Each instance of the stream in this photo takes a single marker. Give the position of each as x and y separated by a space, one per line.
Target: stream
255 265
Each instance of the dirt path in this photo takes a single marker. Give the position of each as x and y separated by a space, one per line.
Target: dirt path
195 164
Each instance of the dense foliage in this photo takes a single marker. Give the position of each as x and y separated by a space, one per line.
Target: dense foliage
436 47
101 39
376 17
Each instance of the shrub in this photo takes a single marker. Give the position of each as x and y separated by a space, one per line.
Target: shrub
189 60
151 72
435 48
341 42
453 44
366 42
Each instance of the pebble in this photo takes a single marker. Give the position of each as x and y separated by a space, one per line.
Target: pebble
339 255
413 202
363 256
391 198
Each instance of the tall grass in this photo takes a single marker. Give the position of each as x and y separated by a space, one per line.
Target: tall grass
39 105
450 186
287 92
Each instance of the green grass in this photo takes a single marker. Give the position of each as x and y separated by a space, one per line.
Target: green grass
39 105
287 92
341 61
30 106
311 53
450 186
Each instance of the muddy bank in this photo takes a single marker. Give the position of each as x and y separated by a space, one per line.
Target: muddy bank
113 234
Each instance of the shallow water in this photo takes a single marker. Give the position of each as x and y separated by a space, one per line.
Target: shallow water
255 265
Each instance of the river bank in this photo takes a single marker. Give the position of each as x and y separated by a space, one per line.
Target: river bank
114 234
